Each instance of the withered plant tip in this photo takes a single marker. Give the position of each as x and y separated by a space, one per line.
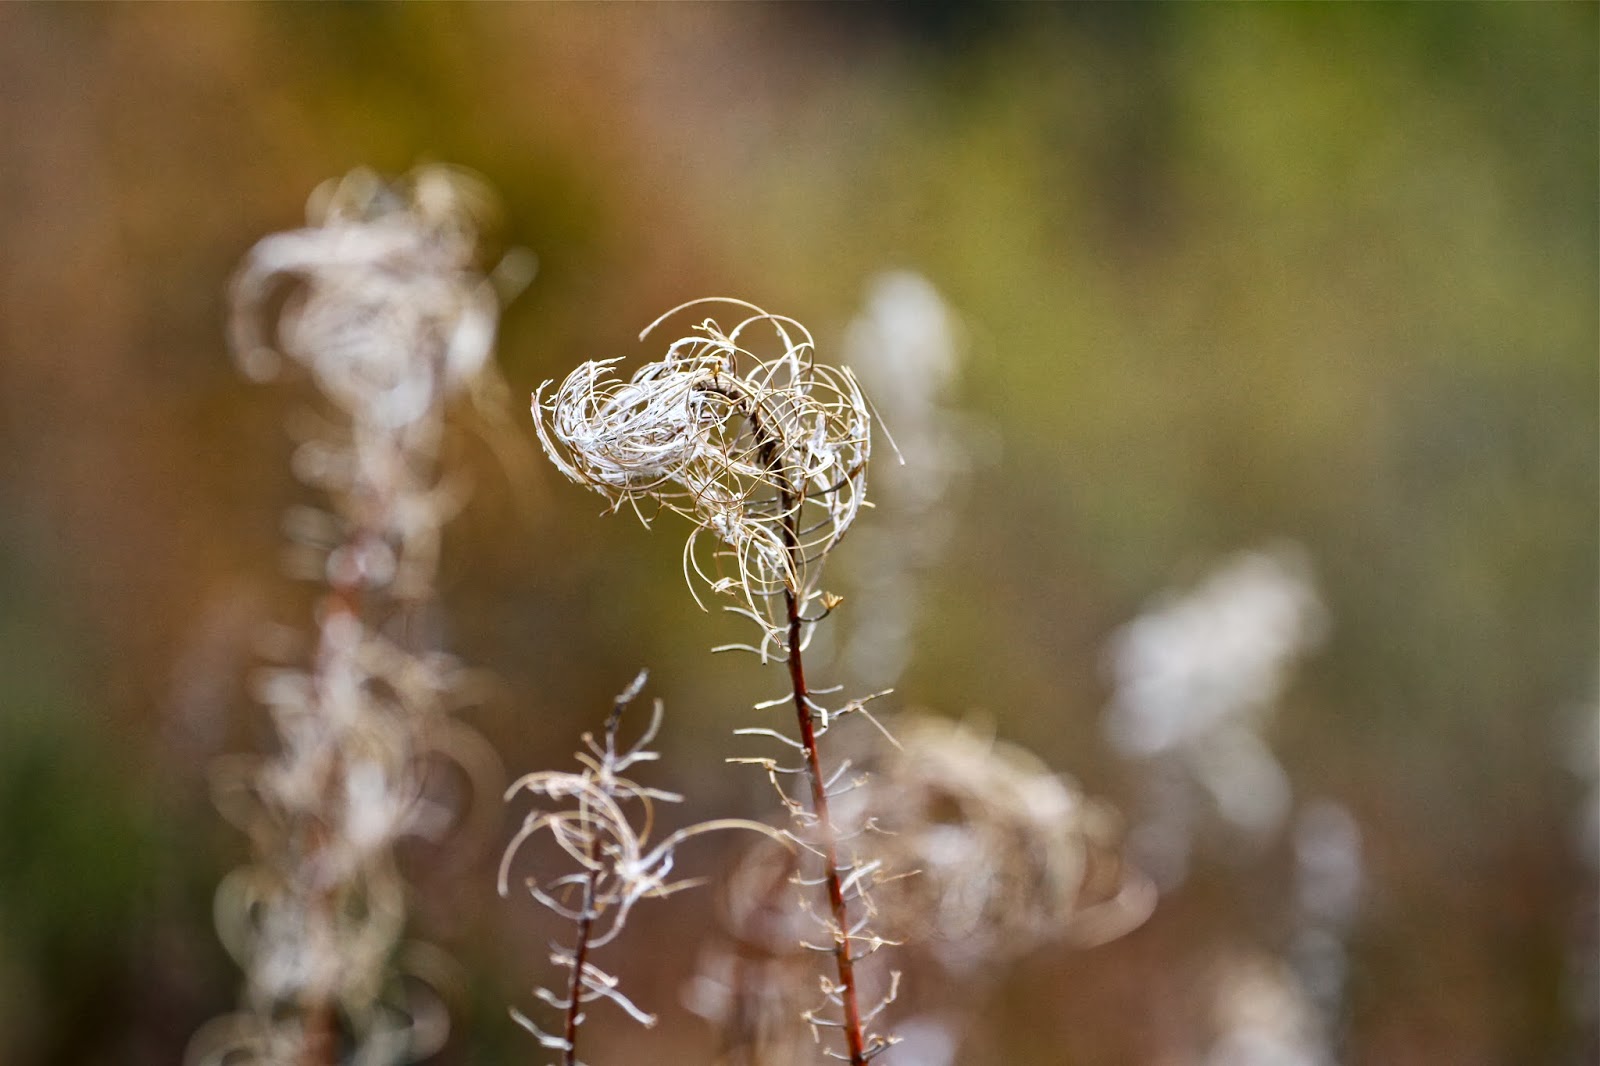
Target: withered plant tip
593 824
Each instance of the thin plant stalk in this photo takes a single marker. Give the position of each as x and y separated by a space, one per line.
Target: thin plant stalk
591 886
345 598
819 802
618 865
854 1039
580 955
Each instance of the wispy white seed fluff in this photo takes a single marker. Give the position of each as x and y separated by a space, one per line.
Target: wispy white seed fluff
767 453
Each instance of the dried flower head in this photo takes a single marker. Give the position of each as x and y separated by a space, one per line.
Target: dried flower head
992 856
767 454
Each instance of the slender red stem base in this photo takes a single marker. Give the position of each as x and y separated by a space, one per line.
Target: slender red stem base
855 1039
580 954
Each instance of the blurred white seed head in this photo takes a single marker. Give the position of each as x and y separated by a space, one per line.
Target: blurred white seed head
1218 655
384 303
1328 886
1007 855
1329 872
1196 678
1263 1018
906 346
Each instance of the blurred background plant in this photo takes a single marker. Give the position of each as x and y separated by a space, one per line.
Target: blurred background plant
381 301
907 347
1224 274
1196 679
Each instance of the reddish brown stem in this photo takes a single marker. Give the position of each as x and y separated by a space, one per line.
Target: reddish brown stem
320 1035
854 1037
345 597
580 953
591 886
790 500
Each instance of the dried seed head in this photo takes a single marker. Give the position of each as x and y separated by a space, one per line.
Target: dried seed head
1008 855
388 310
768 454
